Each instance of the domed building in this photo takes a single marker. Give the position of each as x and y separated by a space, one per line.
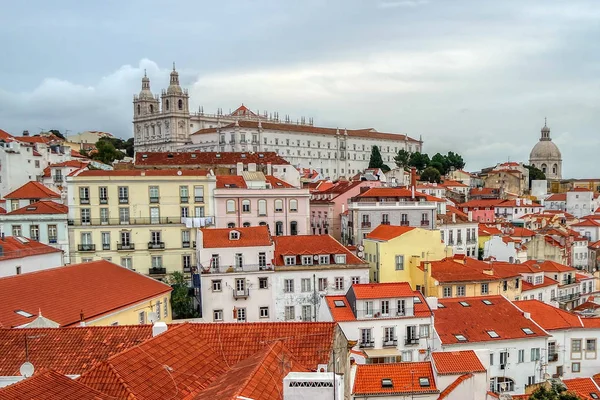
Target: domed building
546 156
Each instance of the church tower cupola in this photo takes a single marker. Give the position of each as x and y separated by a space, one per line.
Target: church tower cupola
174 87
146 93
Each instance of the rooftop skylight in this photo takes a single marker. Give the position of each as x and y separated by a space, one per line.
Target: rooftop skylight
493 334
527 331
460 338
339 303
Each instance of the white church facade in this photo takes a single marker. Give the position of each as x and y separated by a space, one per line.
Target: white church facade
165 124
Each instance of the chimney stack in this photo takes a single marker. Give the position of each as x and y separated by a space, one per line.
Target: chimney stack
158 328
413 177
239 168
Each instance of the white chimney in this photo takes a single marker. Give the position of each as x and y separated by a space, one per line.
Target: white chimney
432 302
470 214
453 218
158 328
518 202
252 167
239 168
527 315
269 169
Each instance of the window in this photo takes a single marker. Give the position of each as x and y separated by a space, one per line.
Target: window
575 367
322 284
484 288
290 313
590 345
84 195
263 312
104 216
355 280
539 280
521 356
278 228
339 283
288 285
289 260
305 285
230 206
340 259
185 239
184 195
278 205
185 212
154 215
424 331
153 192
293 228
263 283
216 285
460 291
262 207
186 262
199 211
155 237
389 335
505 285
293 205
493 334
307 260
460 338
575 345
85 216
535 354
527 331
447 291
239 260
157 262
18 270
399 262
123 194
401 310
531 380
124 215
52 234
105 240
217 315
366 337
34 232
126 262
245 206
324 259
142 317
491 358
385 307
125 238
368 308
16 230
306 312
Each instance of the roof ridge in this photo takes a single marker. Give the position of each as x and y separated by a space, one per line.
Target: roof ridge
450 388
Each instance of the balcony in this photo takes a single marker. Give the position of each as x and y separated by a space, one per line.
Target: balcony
388 313
103 200
566 298
126 221
199 199
411 341
154 200
230 269
552 357
187 269
186 245
240 293
105 246
425 222
184 199
86 247
390 342
157 271
123 200
58 179
404 223
84 200
232 142
254 141
53 240
368 344
156 245
365 224
385 222
125 246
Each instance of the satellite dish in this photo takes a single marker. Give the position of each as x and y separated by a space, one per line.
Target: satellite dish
316 257
26 369
179 173
361 247
360 254
152 317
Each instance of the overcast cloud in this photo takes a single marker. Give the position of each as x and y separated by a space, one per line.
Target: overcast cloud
472 76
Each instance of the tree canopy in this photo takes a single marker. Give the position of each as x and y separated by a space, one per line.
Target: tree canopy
106 152
376 161
555 392
182 304
535 174
402 159
443 163
430 174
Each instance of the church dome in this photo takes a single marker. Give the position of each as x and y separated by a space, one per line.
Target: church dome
545 150
174 87
146 93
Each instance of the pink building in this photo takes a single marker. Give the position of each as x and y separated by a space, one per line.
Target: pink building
253 199
326 206
482 210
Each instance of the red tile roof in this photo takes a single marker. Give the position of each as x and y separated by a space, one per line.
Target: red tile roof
450 388
41 207
548 266
456 362
68 351
513 203
61 294
583 387
149 172
452 270
595 245
488 203
475 320
388 232
75 153
549 317
382 290
2 210
6 137
531 286
557 197
340 313
380 192
189 358
13 247
277 183
485 230
521 232
149 159
483 191
580 189
587 222
32 190
405 379
71 164
588 305
310 244
452 183
248 237
368 133
231 181
591 322
50 385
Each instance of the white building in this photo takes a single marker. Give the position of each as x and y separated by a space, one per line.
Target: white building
581 202
589 228
29 193
43 221
458 231
516 344
389 321
19 255
514 210
556 201
502 248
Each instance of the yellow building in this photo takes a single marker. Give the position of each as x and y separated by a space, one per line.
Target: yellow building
142 220
485 233
395 252
97 293
466 277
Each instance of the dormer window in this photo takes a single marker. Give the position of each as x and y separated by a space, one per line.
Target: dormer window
340 259
234 235
307 260
289 260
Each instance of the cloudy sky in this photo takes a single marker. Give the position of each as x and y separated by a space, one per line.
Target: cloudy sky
473 76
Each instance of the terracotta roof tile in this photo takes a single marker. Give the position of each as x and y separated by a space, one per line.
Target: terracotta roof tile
32 190
248 237
311 245
488 203
231 181
591 322
485 230
557 197
583 387
453 270
94 288
277 183
68 351
50 385
382 290
2 210
13 247
149 172
380 192
549 317
474 320
456 362
531 286
340 313
548 266
405 378
41 207
587 222
75 153
388 232
521 232
450 388
6 137
71 164
208 158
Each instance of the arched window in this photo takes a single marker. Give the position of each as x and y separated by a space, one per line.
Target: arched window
246 224
278 228
230 206
151 108
167 104
544 167
180 104
139 109
554 168
153 130
293 228
293 205
278 205
246 206
231 225
262 223
262 207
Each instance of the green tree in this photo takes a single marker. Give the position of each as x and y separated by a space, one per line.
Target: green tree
455 160
106 152
402 159
440 163
182 304
376 161
555 392
430 174
535 174
419 160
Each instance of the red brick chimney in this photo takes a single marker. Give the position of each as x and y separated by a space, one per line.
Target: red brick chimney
413 177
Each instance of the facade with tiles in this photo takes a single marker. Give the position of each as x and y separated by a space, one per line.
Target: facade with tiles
139 219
